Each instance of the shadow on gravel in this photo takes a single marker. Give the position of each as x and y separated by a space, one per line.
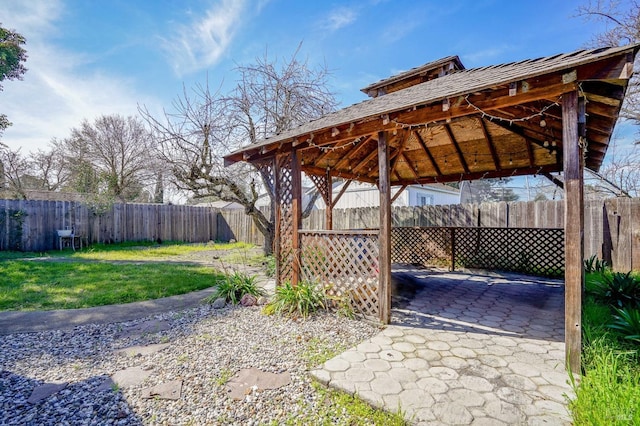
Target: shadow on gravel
26 401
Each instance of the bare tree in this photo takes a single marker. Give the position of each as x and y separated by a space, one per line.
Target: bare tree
112 155
619 176
14 167
622 20
269 98
51 167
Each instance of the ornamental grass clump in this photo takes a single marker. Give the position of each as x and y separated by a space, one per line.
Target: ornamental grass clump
618 290
232 287
300 300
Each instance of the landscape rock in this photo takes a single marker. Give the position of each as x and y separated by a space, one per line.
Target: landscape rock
252 379
45 391
219 303
133 351
248 300
168 390
129 377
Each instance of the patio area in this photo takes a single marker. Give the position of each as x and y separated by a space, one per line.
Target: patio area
464 348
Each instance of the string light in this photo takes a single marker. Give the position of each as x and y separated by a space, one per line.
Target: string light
514 120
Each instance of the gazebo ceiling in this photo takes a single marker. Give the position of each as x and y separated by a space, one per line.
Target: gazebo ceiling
496 121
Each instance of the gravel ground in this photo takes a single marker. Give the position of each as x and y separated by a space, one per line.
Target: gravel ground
205 347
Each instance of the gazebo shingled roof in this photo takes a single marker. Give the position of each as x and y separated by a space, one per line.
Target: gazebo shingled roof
500 120
535 116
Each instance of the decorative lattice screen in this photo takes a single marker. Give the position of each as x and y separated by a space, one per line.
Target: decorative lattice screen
536 251
284 188
346 263
322 183
426 246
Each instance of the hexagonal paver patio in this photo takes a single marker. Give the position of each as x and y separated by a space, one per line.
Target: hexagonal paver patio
464 349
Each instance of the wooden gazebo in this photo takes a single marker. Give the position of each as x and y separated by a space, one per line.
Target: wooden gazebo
443 123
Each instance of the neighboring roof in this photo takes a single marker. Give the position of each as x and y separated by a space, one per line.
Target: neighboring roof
221 205
423 70
484 117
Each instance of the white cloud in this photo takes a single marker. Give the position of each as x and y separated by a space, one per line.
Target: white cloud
202 42
339 18
54 96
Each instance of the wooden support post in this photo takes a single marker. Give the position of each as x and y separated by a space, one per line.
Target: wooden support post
574 230
384 238
329 201
296 213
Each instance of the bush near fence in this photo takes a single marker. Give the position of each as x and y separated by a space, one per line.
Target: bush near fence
612 227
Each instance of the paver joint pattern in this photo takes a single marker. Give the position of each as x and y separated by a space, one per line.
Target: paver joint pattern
465 350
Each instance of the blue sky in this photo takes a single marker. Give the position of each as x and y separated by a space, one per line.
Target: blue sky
94 57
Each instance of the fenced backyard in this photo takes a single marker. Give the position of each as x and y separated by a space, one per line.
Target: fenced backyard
612 227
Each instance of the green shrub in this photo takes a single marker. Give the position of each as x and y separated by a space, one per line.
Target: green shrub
593 264
269 266
233 287
303 299
627 323
618 290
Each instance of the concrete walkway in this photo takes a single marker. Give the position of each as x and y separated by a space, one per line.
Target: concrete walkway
36 321
466 349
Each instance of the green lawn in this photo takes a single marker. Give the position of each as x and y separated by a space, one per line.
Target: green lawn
609 390
103 275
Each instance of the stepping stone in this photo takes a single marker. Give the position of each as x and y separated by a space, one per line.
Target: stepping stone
169 390
44 391
250 379
133 351
132 376
146 327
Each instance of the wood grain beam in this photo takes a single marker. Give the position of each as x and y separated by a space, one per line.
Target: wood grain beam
342 191
490 145
521 171
459 153
337 173
574 231
426 150
353 151
398 193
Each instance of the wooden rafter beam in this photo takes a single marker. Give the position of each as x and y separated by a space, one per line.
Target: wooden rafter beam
426 150
342 191
365 161
490 145
398 193
554 179
544 88
406 160
353 151
339 174
454 142
398 153
482 175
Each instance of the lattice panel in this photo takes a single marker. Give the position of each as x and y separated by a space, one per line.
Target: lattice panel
347 265
322 183
285 199
429 246
529 250
266 170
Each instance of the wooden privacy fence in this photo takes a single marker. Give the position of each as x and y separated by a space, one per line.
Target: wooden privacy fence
31 225
612 227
